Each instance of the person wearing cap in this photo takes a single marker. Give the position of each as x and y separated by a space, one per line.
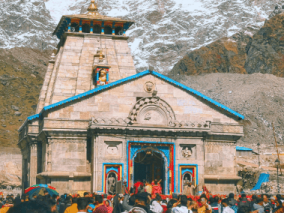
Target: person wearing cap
227 208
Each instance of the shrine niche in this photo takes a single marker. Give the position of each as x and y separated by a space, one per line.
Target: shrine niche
111 183
113 148
187 151
188 173
112 173
100 69
101 75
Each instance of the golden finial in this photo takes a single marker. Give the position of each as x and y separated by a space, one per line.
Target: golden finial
93 9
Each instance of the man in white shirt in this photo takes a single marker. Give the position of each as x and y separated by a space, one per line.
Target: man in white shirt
227 208
155 206
181 205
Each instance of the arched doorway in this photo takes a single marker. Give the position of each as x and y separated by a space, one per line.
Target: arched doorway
149 165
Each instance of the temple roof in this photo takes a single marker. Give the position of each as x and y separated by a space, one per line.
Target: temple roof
133 77
91 15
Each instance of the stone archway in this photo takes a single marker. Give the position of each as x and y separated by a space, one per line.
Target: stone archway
152 111
165 165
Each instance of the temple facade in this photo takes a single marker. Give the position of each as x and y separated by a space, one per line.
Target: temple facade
99 122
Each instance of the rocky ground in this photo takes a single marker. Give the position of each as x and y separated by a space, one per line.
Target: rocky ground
259 97
21 75
244 52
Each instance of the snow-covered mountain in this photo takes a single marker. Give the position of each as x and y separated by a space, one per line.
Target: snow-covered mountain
164 32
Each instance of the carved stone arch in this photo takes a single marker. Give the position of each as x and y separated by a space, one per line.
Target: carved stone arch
152 110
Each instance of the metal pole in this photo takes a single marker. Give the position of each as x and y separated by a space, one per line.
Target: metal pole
276 147
258 155
278 181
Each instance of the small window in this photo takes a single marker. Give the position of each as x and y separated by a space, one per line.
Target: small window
118 31
74 27
86 28
97 29
108 30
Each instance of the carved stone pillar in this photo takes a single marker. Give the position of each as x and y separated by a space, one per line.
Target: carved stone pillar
33 163
48 157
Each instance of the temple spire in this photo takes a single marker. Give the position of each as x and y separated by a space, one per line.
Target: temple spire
93 9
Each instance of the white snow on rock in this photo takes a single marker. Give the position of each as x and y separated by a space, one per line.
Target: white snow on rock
164 32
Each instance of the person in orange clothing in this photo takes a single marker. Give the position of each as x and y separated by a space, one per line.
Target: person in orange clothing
7 206
73 208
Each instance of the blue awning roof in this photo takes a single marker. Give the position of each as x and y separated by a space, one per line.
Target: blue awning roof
138 75
241 148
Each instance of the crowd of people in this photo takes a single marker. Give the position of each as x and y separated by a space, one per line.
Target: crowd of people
139 200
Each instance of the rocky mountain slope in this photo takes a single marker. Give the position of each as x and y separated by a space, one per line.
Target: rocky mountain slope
21 77
241 53
25 23
164 32
259 97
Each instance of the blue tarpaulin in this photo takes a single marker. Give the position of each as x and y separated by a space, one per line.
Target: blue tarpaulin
263 178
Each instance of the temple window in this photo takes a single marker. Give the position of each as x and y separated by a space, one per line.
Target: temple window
108 30
118 31
74 27
97 29
86 28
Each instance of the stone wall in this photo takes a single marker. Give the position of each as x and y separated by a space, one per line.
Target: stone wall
10 168
71 72
68 155
117 102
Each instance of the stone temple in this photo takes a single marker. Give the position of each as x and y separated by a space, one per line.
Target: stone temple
99 122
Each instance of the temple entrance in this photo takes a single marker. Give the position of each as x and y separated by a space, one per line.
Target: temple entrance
149 165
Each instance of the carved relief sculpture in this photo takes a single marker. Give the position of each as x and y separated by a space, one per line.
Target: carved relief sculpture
149 86
111 183
186 152
103 77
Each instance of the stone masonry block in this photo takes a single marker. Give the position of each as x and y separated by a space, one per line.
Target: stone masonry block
103 107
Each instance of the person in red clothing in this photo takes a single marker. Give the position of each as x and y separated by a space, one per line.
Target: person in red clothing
100 207
156 188
137 185
205 190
